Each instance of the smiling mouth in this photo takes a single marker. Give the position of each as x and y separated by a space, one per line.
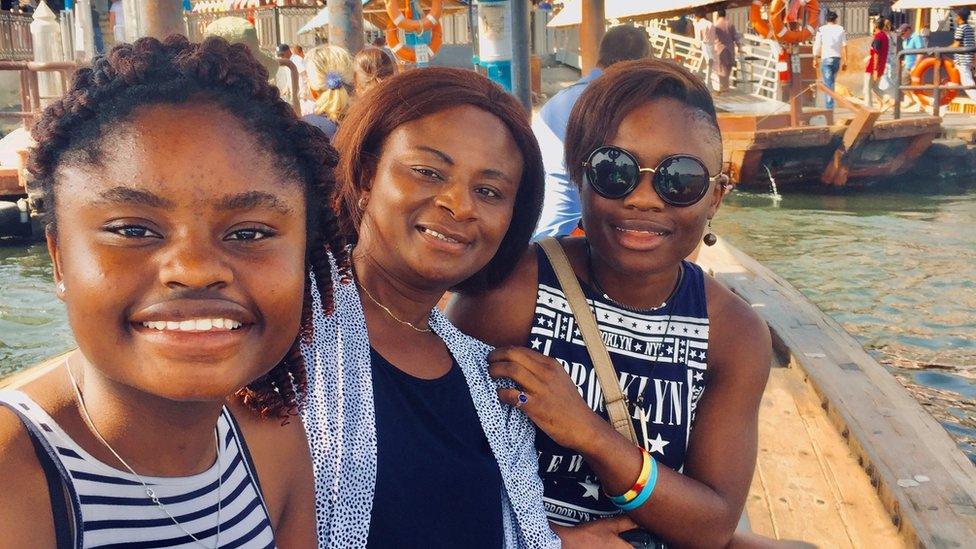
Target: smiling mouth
642 231
439 236
193 325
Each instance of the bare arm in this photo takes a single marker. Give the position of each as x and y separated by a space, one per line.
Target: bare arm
25 507
702 506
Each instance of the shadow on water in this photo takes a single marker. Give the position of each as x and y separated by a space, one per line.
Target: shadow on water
893 264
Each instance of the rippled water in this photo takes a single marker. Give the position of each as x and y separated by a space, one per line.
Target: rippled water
897 268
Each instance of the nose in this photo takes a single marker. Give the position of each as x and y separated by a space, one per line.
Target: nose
192 261
456 198
644 197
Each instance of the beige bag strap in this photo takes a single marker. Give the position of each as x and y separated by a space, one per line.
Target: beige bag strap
613 398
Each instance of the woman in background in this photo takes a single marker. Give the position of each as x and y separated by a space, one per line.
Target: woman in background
330 77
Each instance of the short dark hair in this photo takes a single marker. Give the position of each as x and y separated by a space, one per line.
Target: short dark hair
623 43
879 23
623 88
413 95
832 16
963 13
176 72
379 41
283 50
720 12
700 12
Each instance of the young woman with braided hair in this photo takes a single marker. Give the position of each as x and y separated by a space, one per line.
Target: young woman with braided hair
188 222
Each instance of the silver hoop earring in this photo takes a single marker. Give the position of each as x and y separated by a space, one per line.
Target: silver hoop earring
363 200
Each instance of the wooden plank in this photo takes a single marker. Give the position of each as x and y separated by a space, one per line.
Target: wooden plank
925 482
808 485
23 377
856 133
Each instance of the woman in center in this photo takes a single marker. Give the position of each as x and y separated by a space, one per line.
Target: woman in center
439 186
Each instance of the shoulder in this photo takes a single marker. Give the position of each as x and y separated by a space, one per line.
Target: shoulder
738 338
280 454
25 508
501 315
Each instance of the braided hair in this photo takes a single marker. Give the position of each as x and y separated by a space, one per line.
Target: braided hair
175 71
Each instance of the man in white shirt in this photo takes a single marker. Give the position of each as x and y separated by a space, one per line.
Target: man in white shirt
830 52
703 32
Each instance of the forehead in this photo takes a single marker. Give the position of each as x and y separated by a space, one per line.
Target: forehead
187 152
467 133
665 126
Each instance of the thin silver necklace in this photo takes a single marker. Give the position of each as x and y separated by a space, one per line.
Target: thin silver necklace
149 491
596 285
426 330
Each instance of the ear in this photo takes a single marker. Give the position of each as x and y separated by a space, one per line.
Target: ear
51 237
719 189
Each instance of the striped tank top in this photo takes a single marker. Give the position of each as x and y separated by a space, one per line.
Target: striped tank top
112 507
661 360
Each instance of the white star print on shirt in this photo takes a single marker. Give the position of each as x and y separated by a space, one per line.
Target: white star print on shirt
536 343
657 444
590 490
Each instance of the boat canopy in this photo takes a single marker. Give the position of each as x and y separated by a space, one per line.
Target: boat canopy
571 14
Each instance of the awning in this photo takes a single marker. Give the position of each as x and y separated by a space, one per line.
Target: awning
901 5
321 19
571 13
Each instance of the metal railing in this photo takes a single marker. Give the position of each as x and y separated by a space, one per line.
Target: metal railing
936 87
30 94
197 21
15 37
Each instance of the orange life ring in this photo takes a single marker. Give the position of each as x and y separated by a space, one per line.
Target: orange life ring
782 31
760 25
949 74
405 52
402 21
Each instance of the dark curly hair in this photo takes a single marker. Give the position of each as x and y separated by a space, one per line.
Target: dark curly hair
175 71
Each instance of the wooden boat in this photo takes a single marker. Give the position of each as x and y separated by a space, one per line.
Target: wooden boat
847 458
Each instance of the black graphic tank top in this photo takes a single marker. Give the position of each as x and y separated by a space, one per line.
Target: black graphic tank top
661 361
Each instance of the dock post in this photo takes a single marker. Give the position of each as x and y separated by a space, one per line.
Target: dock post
593 24
521 84
346 25
937 92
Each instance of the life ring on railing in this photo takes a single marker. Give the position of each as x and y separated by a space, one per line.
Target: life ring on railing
760 25
949 74
781 30
405 52
402 21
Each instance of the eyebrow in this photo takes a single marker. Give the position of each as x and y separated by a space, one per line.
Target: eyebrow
128 195
489 172
252 199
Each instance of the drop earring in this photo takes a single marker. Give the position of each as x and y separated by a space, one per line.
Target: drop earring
61 287
710 238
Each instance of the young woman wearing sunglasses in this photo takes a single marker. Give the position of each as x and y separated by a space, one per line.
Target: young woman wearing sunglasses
692 359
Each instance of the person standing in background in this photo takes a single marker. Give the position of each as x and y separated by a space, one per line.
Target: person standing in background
964 38
116 16
830 52
875 67
919 39
726 40
704 34
561 207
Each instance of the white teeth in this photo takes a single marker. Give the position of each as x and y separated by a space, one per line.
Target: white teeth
658 233
440 236
194 325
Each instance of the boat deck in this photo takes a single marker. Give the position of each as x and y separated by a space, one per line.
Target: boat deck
808 484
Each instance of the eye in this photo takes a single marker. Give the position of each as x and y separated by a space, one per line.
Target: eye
488 192
427 173
249 234
133 231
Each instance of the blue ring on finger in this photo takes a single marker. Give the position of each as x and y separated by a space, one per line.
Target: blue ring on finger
522 399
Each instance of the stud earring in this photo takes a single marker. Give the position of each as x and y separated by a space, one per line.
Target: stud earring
710 238
61 287
363 200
